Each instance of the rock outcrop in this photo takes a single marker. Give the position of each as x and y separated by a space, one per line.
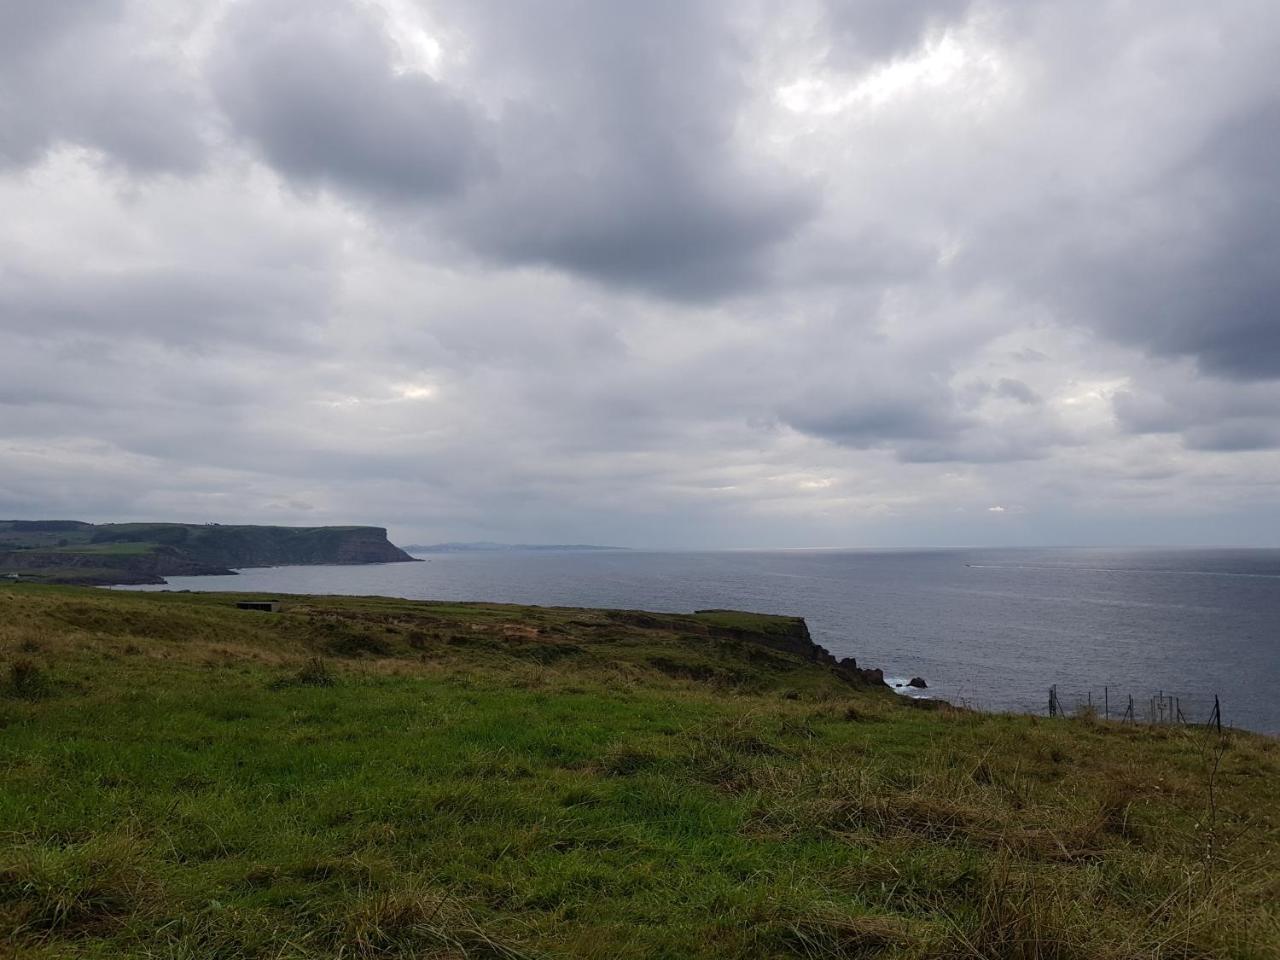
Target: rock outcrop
870 675
791 635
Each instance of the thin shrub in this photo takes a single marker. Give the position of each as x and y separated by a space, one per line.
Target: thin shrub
314 672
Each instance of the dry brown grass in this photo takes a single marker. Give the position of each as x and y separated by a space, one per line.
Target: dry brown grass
414 921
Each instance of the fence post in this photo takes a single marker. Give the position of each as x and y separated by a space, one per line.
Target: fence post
1106 703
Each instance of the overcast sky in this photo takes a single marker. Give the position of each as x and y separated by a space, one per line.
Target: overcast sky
678 274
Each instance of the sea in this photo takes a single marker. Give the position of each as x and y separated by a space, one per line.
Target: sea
992 629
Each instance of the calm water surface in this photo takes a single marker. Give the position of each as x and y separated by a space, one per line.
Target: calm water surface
993 628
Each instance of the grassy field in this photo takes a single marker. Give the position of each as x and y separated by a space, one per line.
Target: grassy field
368 778
108 549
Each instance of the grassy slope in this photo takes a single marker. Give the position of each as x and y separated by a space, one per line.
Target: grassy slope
181 779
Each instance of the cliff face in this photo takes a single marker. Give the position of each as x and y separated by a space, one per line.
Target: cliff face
791 635
253 546
73 552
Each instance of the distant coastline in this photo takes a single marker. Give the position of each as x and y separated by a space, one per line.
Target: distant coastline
75 552
488 547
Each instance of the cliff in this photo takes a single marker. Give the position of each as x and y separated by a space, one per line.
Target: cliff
254 546
64 551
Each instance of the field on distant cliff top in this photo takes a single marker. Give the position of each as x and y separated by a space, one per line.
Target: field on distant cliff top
369 778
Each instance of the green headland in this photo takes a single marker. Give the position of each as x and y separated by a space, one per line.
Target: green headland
74 552
376 778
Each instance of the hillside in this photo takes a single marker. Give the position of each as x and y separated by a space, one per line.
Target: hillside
375 778
73 552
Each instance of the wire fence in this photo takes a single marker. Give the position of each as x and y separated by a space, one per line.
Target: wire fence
1162 707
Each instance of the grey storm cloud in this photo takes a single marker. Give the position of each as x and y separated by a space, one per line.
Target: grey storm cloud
878 418
620 161
312 86
675 273
928 423
1235 435
1206 414
77 72
1203 281
1176 255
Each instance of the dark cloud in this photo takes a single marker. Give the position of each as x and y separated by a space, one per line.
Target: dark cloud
313 86
879 419
620 156
1201 281
1234 435
913 407
1206 414
1017 390
79 73
1164 239
928 432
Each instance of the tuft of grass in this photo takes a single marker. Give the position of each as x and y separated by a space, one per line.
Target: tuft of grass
27 681
1013 919
413 921
829 933
314 672
93 888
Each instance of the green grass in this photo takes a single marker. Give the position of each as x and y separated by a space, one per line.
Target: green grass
108 549
378 778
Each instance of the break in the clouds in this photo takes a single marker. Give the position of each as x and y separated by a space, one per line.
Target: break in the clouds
670 274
